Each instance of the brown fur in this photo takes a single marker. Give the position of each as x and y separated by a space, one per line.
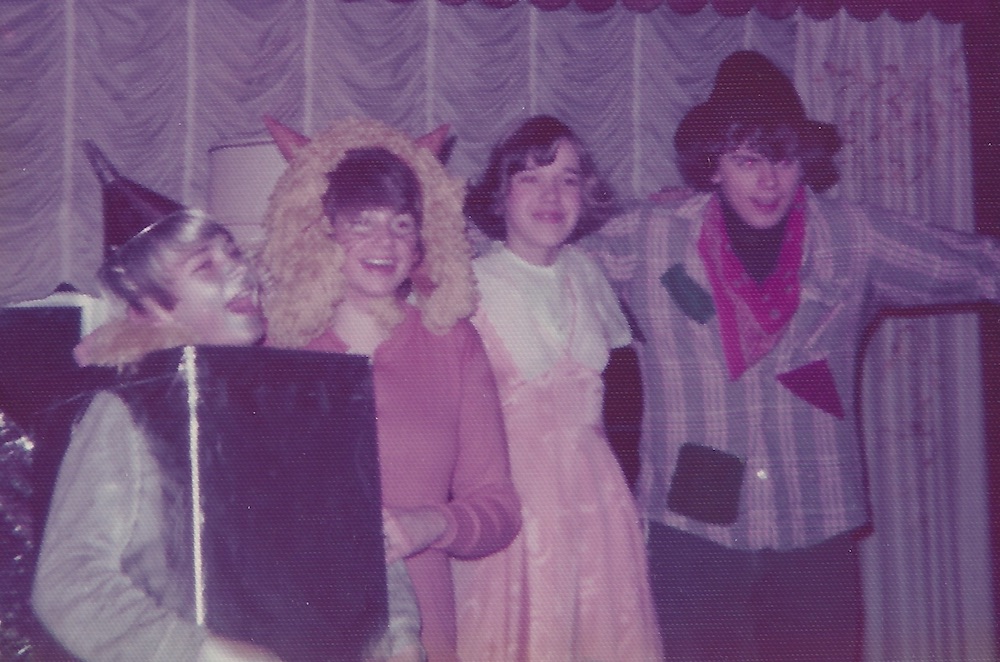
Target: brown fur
122 342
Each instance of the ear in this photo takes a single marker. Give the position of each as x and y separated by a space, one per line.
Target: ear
435 140
289 142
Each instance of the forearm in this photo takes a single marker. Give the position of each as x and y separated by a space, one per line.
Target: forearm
484 513
481 522
918 266
100 619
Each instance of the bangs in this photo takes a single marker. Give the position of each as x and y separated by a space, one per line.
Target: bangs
177 232
370 178
377 194
533 156
775 143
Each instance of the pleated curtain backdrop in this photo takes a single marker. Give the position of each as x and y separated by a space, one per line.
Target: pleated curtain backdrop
158 83
899 95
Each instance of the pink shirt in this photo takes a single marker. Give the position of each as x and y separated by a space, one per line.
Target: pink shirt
441 444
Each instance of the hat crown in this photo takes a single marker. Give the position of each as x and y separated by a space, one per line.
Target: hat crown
747 83
128 207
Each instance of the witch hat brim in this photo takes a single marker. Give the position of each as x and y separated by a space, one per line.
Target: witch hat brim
129 208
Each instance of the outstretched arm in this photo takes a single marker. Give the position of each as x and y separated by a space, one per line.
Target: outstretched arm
916 265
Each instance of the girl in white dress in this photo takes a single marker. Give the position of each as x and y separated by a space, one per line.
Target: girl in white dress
573 585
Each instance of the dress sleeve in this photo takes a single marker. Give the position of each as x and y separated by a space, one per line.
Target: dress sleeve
484 512
81 592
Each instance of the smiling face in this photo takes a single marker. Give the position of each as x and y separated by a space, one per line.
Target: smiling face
759 190
214 295
542 206
381 248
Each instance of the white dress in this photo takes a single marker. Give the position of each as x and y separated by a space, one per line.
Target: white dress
573 585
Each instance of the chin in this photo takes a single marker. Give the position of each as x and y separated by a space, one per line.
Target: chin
252 333
761 222
553 239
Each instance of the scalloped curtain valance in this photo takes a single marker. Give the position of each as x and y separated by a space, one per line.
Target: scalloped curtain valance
946 11
158 84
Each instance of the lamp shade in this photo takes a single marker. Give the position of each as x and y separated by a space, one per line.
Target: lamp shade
241 178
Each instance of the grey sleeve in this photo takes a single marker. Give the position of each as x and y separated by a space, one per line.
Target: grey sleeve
81 591
401 640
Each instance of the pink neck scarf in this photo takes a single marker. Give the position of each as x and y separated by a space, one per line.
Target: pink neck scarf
752 316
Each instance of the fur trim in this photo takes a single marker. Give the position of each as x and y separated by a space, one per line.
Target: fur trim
125 341
301 264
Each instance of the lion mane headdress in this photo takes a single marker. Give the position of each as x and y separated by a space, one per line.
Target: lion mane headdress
302 265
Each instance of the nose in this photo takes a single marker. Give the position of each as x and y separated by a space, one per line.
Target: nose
381 234
550 190
241 273
231 267
768 175
239 269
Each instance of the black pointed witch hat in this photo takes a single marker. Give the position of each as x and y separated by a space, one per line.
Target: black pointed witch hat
129 207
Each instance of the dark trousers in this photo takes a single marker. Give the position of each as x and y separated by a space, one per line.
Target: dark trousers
716 603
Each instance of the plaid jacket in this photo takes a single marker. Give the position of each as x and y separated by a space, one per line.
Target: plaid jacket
791 416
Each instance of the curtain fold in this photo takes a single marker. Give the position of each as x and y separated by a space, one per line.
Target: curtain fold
947 11
156 84
33 151
899 96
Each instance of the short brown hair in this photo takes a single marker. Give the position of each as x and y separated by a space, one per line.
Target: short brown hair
536 141
371 177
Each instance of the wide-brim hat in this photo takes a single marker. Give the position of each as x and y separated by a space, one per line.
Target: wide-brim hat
751 91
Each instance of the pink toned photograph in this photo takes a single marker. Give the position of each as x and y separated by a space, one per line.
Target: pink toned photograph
499 330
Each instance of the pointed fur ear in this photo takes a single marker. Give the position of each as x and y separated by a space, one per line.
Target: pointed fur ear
435 140
289 142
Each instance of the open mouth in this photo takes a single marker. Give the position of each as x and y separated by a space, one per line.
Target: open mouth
380 265
767 207
550 217
243 304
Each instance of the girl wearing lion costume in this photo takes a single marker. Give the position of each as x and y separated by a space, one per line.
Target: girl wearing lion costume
362 218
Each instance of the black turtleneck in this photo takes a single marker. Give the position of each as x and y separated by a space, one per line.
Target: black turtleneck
758 249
